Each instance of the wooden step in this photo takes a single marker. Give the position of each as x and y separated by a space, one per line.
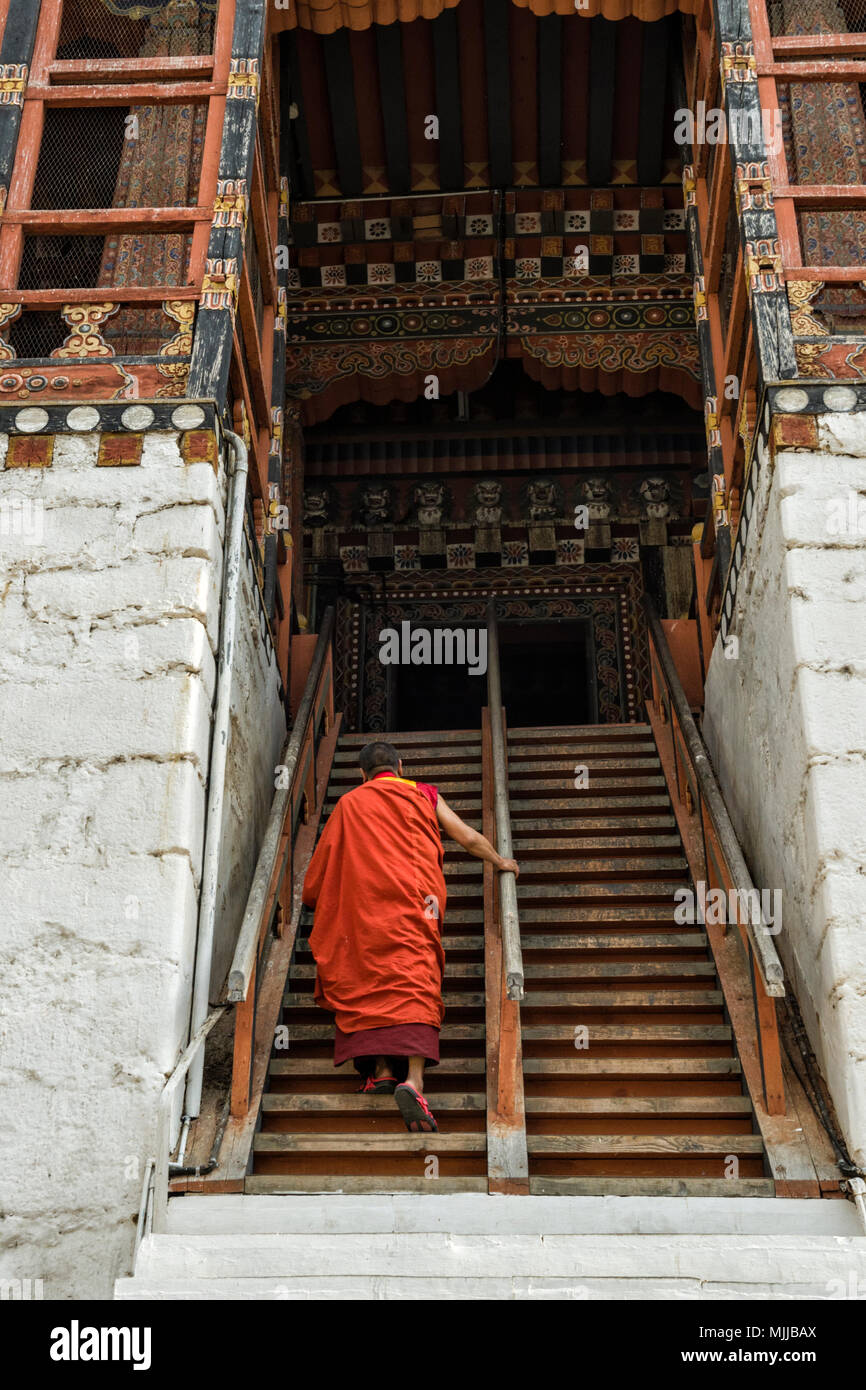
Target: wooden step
370 1143
625 1066
606 867
626 1145
690 1107
519 750
276 1183
301 1066
324 1032
650 1034
579 943
637 826
531 846
617 969
650 1187
273 1102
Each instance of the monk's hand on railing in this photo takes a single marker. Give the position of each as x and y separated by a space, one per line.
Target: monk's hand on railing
508 866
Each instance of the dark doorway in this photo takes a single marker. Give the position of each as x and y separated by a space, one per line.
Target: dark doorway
548 678
548 673
436 697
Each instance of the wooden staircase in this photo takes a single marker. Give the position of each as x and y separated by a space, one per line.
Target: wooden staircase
317 1133
630 1076
631 1079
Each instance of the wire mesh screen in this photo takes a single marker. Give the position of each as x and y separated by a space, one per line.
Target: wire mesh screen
113 262
79 157
816 16
37 333
120 156
142 29
60 262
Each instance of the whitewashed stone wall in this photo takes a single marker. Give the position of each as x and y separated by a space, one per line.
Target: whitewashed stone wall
109 613
786 727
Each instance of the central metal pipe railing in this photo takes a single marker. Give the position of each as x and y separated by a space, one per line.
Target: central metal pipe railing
512 955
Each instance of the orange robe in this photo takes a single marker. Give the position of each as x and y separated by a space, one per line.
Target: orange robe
377 887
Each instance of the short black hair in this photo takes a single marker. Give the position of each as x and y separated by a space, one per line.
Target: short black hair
375 755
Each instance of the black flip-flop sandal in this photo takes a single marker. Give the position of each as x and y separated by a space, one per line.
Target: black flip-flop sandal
379 1086
415 1110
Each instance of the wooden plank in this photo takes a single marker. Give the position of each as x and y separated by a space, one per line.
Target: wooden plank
507 1163
198 65
653 90
126 94
298 127
446 68
833 70
276 1103
366 1143
392 96
622 1145
693 1106
340 78
498 92
302 1182
653 1034
550 100
651 1187
602 93
644 1067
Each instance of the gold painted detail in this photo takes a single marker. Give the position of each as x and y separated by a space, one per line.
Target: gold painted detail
737 64
8 312
183 313
763 265
219 288
244 79
13 81
231 203
800 296
86 322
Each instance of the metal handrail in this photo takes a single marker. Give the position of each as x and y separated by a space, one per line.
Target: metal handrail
158 1205
246 950
766 956
512 955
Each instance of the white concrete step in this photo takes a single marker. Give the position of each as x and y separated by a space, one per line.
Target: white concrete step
479 1247
478 1214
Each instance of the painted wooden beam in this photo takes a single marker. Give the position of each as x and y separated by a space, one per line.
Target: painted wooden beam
653 90
550 101
498 92
127 94
19 36
602 82
337 54
446 68
392 95
300 140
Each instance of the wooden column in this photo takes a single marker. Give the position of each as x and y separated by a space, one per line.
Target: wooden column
212 347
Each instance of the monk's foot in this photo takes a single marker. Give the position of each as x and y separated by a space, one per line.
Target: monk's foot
415 1110
379 1086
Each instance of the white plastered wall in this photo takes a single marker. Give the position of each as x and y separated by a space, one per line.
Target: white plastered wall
786 727
109 612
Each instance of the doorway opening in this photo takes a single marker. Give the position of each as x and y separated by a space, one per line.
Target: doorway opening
548 678
548 673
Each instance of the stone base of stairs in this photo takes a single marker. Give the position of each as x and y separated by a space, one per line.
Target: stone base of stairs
480 1247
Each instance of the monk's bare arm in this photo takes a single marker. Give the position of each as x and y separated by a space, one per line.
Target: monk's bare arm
471 840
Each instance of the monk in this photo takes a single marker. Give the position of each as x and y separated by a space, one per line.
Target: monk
377 887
